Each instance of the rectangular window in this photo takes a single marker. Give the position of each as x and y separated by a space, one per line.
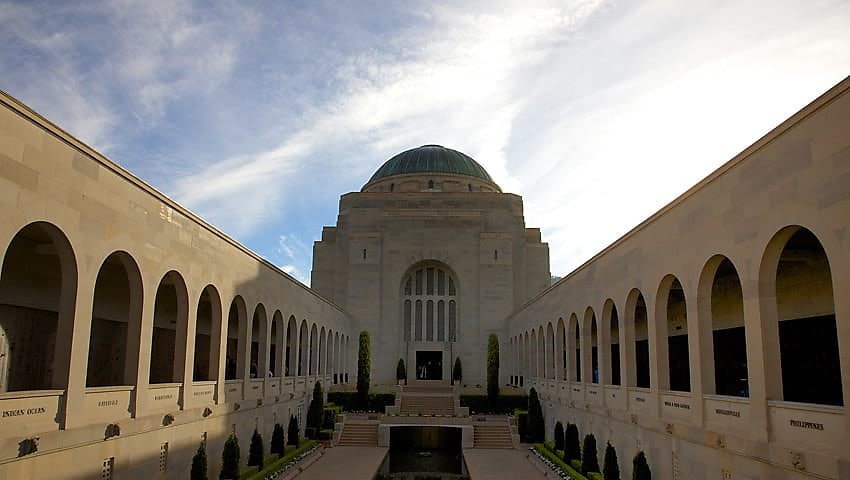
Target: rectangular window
417 327
441 321
419 282
429 321
407 316
429 282
441 283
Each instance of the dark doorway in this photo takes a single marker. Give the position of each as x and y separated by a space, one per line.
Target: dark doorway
429 365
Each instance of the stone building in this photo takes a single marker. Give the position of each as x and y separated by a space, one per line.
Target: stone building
430 256
714 336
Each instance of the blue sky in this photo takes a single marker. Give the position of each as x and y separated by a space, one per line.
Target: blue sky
258 115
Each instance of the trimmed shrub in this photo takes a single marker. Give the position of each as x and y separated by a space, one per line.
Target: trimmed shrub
559 436
230 459
292 431
329 417
506 405
400 371
610 467
277 445
315 412
553 457
199 464
326 434
363 366
640 469
572 449
255 450
522 424
457 371
589 460
493 369
351 401
536 425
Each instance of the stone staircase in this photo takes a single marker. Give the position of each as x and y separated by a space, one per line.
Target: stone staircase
427 404
492 435
359 434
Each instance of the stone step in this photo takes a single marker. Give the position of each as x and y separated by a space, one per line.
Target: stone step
492 436
359 434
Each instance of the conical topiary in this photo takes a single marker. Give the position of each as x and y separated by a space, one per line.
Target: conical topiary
230 459
255 450
315 412
589 460
559 436
572 449
292 431
400 371
277 445
199 464
640 469
536 427
610 467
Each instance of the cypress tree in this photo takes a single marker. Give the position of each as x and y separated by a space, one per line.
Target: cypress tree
292 431
199 464
493 370
363 369
536 426
589 460
640 469
572 449
255 451
277 445
559 436
400 371
610 468
230 459
315 412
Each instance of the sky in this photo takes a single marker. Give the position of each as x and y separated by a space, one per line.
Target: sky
258 115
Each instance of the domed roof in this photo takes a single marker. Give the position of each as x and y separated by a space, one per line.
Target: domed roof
431 159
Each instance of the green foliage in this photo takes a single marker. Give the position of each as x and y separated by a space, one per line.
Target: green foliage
351 401
291 453
316 411
400 371
199 464
326 434
457 371
292 431
255 451
559 436
553 457
329 417
506 405
589 460
610 467
363 366
536 425
493 369
522 424
640 469
572 449
230 458
277 445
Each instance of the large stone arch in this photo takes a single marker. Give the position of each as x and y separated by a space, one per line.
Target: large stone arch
799 325
723 349
672 329
170 327
116 316
38 288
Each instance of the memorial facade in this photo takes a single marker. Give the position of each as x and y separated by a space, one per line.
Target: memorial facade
714 336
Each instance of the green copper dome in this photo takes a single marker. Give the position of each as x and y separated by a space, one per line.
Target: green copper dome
431 159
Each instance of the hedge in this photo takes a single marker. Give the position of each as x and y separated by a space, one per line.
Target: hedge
506 405
350 401
291 453
554 458
522 423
